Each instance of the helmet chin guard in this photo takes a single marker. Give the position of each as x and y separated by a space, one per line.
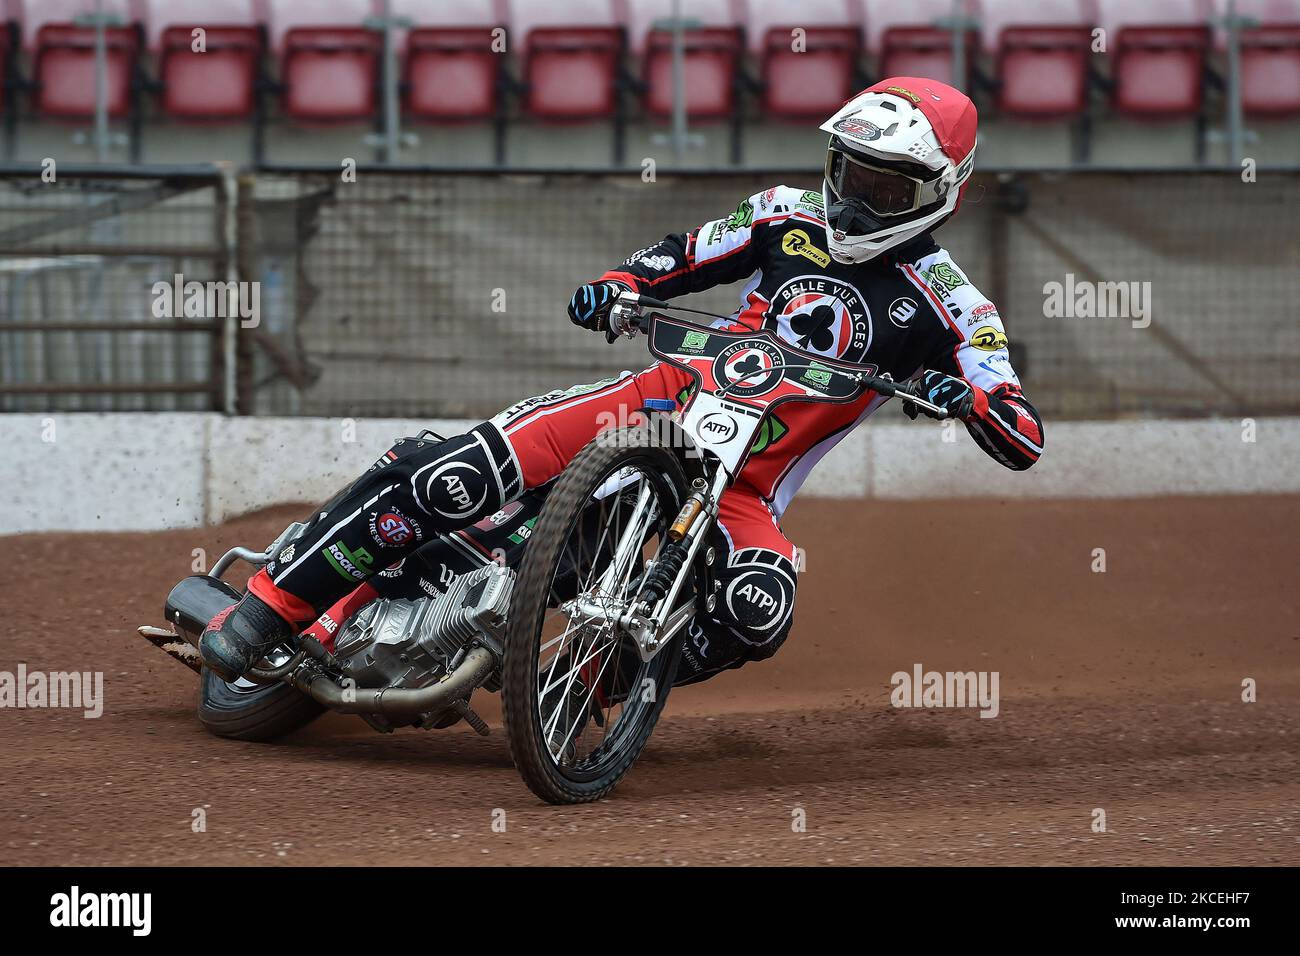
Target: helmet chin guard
898 160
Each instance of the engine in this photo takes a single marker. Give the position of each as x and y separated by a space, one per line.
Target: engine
397 642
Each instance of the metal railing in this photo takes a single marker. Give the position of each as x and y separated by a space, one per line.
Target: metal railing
84 256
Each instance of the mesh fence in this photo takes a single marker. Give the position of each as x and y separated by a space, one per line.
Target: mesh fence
444 294
83 259
430 294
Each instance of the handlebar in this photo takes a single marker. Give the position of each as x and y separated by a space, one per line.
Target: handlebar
625 321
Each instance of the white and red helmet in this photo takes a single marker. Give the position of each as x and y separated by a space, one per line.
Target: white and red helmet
898 160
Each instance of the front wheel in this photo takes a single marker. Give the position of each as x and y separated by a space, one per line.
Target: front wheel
579 703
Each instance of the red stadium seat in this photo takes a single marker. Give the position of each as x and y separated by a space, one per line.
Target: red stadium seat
159 16
284 16
64 70
812 83
452 73
215 84
906 39
762 18
923 51
1043 71
1270 70
1158 51
995 16
522 17
711 59
1159 71
570 72
329 73
645 16
32 15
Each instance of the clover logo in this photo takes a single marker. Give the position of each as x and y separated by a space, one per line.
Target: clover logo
814 328
748 365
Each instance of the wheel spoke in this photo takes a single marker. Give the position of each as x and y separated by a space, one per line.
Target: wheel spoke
586 666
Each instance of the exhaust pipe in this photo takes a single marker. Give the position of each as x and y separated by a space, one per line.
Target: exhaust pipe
194 601
402 703
198 598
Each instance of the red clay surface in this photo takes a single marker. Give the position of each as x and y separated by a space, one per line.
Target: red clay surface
1120 691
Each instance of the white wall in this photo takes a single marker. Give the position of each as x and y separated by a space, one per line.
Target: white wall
125 471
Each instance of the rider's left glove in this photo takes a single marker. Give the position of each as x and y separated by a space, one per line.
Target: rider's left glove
590 305
953 394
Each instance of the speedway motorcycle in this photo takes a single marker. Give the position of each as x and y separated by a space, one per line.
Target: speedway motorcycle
573 602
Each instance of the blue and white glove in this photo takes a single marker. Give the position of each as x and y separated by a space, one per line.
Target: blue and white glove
953 394
590 305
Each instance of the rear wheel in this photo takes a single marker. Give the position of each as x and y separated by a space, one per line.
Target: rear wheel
243 710
578 701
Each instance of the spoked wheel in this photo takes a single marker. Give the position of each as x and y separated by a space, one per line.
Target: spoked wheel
579 702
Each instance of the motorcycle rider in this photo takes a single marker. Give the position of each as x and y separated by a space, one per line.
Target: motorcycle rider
850 271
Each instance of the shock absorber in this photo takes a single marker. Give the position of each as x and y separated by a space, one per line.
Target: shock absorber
664 573
673 556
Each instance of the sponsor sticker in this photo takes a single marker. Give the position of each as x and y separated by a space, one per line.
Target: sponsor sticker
654 263
797 243
718 428
864 129
901 311
944 278
989 339
524 531
462 484
393 570
749 367
814 199
818 376
742 218
695 342
352 565
393 529
822 314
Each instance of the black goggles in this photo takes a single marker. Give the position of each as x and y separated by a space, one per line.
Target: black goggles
883 191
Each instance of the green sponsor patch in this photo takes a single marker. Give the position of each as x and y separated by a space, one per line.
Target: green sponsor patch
818 375
742 218
813 200
944 278
352 565
695 341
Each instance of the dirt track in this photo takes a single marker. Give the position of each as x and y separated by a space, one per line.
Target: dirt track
1119 691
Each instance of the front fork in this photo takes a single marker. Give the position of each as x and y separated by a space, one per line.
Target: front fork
653 624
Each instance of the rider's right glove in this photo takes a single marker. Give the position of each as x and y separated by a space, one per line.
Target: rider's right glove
590 305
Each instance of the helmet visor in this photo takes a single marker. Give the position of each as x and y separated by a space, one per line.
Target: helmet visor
865 195
885 192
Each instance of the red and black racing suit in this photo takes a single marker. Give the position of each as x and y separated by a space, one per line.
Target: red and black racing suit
903 312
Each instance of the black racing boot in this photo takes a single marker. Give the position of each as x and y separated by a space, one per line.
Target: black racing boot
240 636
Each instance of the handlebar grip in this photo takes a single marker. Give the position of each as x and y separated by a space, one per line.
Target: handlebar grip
649 302
887 386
